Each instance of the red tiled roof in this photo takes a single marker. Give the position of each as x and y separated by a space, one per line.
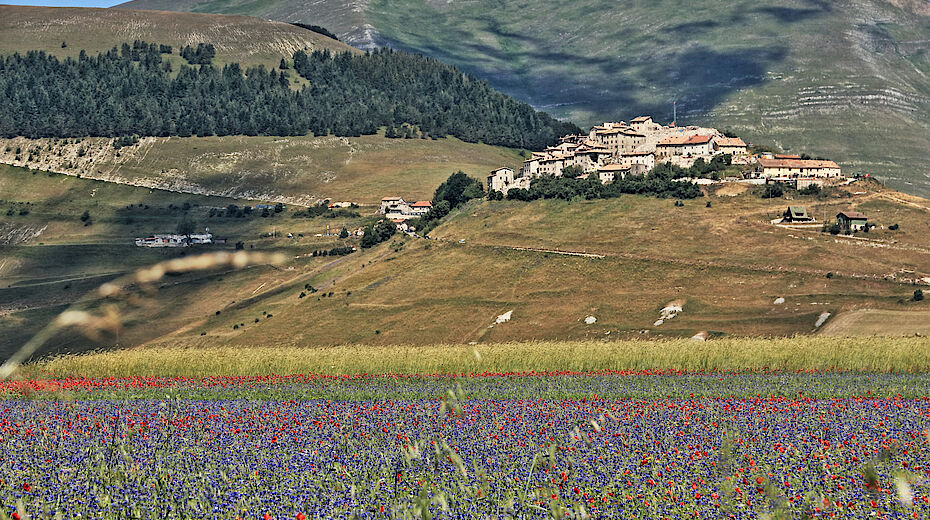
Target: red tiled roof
731 141
682 140
853 215
787 156
641 119
422 204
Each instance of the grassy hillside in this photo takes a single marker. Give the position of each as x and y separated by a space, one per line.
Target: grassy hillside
725 266
825 78
50 257
298 170
246 40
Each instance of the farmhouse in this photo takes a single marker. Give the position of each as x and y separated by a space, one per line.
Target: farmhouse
391 202
421 207
799 168
852 220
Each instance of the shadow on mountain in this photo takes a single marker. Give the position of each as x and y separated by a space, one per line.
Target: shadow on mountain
789 14
701 76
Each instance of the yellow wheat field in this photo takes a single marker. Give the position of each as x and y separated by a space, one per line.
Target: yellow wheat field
788 354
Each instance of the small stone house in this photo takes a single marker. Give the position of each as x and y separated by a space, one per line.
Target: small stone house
852 220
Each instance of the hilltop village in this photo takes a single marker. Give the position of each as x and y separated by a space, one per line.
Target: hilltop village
615 150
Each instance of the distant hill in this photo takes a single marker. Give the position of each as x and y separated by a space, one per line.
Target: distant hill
848 79
242 39
148 88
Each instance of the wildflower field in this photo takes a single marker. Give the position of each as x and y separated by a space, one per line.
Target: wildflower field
643 443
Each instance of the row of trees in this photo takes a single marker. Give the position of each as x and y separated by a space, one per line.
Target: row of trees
658 183
134 92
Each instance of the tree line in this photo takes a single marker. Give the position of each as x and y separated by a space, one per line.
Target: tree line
660 182
134 91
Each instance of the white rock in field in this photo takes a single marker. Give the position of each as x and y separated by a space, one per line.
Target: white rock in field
590 320
822 319
778 301
700 336
504 317
658 322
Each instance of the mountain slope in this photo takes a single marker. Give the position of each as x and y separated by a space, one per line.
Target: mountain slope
295 170
848 79
242 39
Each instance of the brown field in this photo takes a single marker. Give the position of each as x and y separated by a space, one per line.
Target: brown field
878 322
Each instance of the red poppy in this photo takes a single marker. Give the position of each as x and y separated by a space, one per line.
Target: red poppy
26 487
300 516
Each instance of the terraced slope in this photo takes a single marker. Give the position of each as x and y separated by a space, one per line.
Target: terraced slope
242 39
848 79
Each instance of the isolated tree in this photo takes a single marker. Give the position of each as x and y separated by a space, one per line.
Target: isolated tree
185 227
918 295
344 233
772 191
